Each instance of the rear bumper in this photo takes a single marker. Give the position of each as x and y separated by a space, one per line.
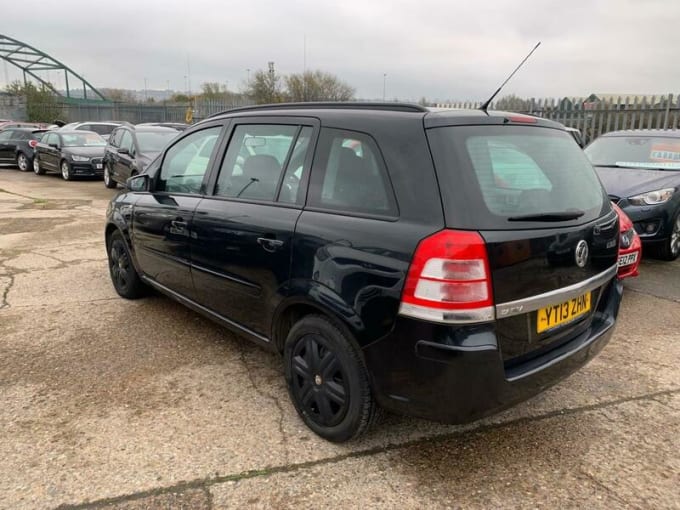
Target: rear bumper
456 374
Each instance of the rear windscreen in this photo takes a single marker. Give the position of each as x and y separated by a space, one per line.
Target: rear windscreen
495 177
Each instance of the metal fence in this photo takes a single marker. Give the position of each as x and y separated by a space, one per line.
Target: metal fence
133 112
593 116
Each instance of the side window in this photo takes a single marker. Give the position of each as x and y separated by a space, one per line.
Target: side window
185 163
115 137
126 141
349 175
291 179
52 138
252 166
84 127
5 135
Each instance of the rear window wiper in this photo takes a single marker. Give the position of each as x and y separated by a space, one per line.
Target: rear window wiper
550 216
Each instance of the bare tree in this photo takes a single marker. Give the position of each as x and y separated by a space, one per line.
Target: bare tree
512 103
317 86
265 86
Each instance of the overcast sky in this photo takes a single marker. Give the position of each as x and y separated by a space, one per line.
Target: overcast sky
437 49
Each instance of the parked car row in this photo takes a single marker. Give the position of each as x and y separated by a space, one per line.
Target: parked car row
80 149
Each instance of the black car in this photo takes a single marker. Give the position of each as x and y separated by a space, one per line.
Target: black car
71 153
640 170
17 144
131 148
445 264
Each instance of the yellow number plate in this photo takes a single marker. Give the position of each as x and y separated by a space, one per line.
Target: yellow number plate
556 315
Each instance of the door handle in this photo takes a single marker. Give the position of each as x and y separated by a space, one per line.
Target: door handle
268 244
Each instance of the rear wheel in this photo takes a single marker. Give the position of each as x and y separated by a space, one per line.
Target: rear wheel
66 170
671 247
36 167
22 162
124 277
327 380
108 180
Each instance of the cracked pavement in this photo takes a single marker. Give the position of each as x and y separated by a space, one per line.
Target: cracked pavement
107 403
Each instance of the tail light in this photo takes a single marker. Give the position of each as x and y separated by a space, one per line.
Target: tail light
32 143
449 279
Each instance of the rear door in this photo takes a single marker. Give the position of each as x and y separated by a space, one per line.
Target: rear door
6 146
551 234
162 218
241 248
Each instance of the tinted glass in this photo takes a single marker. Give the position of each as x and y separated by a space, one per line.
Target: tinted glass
290 187
126 141
154 142
184 165
635 152
115 137
252 165
505 172
351 175
5 135
83 140
51 138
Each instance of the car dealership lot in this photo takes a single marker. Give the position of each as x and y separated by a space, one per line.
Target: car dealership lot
146 404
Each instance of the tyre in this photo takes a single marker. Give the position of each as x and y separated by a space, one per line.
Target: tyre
671 247
22 162
66 171
37 168
108 181
327 380
124 277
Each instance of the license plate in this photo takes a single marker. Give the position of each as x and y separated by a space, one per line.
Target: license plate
553 316
98 166
628 259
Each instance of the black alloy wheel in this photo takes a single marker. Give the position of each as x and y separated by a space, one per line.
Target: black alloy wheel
123 274
327 380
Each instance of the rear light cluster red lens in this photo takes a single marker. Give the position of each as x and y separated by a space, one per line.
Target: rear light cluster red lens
449 279
32 143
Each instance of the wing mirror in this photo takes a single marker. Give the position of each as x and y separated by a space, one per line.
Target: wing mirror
54 145
123 150
137 183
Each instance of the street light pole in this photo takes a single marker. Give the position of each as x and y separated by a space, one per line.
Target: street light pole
384 84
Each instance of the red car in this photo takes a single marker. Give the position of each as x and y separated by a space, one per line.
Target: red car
630 247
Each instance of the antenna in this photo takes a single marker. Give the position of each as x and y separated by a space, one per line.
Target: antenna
486 104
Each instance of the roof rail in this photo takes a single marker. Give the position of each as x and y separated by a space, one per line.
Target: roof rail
348 105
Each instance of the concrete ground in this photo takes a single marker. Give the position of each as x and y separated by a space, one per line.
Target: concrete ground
107 403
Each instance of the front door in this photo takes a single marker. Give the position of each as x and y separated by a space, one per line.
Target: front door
49 155
122 161
243 233
162 219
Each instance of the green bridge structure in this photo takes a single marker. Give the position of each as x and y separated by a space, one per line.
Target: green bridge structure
34 62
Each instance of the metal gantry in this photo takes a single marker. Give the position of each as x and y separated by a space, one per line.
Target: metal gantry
32 61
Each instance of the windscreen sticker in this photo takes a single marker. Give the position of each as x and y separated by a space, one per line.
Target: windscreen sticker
669 152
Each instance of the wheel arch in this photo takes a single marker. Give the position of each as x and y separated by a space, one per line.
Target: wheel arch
312 298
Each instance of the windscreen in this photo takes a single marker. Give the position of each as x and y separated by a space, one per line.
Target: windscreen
503 176
83 140
636 152
154 141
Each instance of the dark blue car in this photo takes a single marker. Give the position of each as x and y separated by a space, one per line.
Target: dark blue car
641 172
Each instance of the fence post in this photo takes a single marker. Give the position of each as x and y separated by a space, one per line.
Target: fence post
669 100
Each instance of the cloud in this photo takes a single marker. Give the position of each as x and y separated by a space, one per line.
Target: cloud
437 49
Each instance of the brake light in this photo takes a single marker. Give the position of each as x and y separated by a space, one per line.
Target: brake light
449 279
527 119
32 143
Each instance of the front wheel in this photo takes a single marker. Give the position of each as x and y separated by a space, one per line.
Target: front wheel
22 162
108 180
327 380
36 167
124 276
671 247
66 170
